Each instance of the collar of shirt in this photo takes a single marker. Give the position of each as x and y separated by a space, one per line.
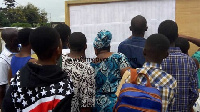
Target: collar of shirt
6 52
152 65
174 50
137 38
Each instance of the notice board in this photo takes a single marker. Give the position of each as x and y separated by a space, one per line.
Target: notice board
91 16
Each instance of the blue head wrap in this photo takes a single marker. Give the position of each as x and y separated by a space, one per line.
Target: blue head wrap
103 39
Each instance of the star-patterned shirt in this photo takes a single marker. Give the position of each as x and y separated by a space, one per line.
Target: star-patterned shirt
35 99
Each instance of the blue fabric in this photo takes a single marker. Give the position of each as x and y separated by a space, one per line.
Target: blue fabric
17 63
138 99
183 69
132 48
103 39
107 77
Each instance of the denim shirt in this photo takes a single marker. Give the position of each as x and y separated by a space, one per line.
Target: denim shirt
132 48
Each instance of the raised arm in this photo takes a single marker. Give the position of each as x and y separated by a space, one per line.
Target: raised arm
195 41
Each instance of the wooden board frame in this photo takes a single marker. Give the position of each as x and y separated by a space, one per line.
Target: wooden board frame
84 2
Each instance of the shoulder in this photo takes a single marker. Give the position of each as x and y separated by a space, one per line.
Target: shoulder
165 79
124 42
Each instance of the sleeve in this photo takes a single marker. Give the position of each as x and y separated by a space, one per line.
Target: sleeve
88 88
123 62
8 105
193 91
4 73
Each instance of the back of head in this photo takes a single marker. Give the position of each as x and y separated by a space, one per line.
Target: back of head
169 28
157 46
183 44
64 32
77 41
138 24
23 36
44 42
9 34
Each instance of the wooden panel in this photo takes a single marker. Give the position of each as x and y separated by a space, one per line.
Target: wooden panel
188 19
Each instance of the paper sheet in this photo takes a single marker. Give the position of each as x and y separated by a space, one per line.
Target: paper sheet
116 17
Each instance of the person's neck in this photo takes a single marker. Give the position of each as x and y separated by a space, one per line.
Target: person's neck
172 45
153 61
102 52
138 35
77 54
11 49
24 52
46 62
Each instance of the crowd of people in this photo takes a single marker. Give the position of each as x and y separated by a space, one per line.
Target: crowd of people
62 80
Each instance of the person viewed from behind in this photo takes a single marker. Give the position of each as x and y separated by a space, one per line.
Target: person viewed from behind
182 68
9 36
155 50
41 86
81 73
24 56
133 46
64 32
109 68
184 45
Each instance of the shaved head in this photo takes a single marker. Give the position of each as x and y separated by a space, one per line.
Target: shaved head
138 24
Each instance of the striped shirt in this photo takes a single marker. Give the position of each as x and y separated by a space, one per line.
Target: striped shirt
184 70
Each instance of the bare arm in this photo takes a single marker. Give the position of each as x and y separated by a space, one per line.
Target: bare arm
195 41
123 70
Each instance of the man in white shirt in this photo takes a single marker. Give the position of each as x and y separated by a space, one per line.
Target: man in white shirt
9 36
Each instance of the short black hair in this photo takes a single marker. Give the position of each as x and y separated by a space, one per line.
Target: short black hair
9 34
23 36
169 28
183 44
77 41
64 32
138 24
44 41
157 44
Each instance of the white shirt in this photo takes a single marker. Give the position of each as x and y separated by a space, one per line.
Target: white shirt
5 60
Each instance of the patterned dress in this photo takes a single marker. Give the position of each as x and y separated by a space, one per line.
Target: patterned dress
82 75
107 77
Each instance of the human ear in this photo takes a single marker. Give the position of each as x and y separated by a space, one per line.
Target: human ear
85 46
130 28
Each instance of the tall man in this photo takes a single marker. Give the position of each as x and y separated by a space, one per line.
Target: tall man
133 46
9 35
182 68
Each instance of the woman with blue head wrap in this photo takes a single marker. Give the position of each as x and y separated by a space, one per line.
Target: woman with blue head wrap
109 68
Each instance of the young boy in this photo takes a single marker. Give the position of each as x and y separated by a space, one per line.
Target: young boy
9 36
182 68
81 73
24 56
41 86
155 50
